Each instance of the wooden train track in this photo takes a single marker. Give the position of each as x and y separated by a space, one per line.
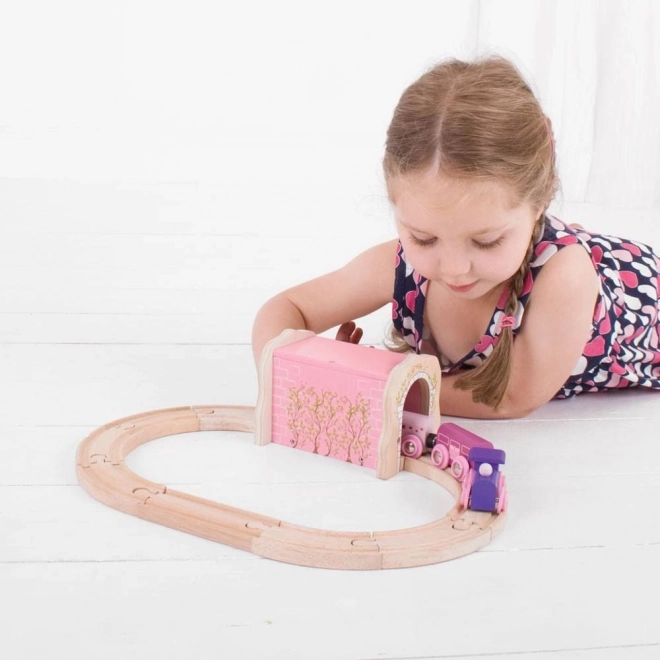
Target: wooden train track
103 473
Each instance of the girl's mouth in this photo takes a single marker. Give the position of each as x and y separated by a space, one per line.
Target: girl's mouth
462 289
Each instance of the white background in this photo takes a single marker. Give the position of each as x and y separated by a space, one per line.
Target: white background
165 167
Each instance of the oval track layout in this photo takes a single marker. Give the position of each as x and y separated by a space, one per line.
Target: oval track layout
103 473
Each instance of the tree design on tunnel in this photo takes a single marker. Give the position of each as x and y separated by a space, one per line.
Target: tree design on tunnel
328 424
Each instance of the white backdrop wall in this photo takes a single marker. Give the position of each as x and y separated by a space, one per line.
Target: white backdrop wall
165 166
162 90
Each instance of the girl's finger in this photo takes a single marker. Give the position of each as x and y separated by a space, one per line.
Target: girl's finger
345 331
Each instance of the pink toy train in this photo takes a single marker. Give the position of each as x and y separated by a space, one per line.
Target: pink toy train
473 461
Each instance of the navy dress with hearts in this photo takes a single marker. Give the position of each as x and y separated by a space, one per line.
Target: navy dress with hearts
623 348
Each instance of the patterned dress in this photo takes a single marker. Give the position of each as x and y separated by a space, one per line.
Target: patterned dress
623 348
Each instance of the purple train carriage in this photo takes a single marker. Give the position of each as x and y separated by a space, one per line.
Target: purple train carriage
452 448
473 460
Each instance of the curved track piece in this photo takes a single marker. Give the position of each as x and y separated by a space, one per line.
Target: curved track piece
102 472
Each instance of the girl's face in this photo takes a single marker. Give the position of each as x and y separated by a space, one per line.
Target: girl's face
461 233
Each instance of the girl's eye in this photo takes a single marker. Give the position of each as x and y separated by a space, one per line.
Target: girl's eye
422 242
430 241
488 246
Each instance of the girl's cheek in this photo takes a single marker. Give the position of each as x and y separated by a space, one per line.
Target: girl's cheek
502 267
421 263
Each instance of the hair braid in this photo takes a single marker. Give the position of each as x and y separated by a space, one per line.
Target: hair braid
488 382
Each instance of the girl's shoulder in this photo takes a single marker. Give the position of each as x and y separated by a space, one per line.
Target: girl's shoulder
571 266
605 250
560 254
624 267
556 236
561 275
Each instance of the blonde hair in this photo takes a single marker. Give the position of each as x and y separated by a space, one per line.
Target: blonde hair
477 120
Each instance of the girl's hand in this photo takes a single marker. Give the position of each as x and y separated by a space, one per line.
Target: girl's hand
349 332
576 225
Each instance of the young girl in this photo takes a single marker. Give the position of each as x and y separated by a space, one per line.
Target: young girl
519 307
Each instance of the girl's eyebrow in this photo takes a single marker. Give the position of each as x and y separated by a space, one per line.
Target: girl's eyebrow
409 228
487 230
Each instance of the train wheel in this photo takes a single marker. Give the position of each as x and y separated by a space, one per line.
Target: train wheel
440 456
502 502
459 468
465 491
502 497
412 446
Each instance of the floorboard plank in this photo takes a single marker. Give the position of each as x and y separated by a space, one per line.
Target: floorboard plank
243 608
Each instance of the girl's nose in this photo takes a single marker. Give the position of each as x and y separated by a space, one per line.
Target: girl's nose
454 264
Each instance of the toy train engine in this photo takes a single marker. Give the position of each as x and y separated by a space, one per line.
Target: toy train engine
473 461
452 448
484 489
417 434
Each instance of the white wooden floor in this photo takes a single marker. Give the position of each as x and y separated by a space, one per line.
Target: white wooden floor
118 299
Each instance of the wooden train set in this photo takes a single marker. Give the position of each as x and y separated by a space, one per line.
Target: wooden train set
354 403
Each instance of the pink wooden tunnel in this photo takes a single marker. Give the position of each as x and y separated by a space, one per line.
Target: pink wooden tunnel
342 400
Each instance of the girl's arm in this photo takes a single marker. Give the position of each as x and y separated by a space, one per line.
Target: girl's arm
362 286
556 326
